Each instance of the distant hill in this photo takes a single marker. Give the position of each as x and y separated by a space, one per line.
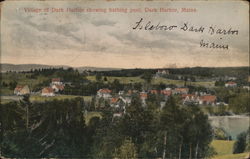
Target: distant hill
27 67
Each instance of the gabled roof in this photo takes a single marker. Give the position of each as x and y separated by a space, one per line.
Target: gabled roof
166 92
104 90
60 87
143 95
181 89
19 88
47 90
154 91
114 100
56 80
208 98
231 83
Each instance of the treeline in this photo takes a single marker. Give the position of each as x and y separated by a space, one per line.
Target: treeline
58 129
194 71
68 75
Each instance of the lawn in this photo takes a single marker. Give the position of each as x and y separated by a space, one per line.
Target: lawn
232 156
21 79
6 91
124 80
223 147
137 79
224 150
38 98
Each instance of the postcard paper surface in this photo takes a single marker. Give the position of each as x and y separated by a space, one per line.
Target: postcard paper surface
124 79
126 34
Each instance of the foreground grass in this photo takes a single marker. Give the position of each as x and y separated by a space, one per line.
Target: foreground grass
223 147
224 150
232 156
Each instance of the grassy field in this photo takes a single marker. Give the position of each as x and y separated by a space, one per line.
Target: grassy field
232 156
224 150
38 98
21 79
124 80
223 147
137 79
6 91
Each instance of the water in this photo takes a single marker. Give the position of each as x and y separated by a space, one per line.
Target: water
233 125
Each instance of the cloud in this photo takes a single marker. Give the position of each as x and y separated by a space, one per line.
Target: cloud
103 22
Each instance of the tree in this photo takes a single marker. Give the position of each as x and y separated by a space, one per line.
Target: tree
25 102
98 77
105 79
240 144
116 86
240 103
147 76
127 150
12 85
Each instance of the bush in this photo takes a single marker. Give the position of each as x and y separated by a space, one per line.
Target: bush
240 144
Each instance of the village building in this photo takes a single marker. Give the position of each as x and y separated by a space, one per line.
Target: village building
116 102
121 92
166 92
230 84
143 97
190 99
22 90
180 91
161 73
48 92
246 87
104 93
57 88
56 81
207 100
154 91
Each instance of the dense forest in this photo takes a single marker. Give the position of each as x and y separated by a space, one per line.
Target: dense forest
58 129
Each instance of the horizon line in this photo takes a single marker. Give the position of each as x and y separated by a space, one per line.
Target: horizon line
127 68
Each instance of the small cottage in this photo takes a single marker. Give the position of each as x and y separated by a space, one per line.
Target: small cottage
21 90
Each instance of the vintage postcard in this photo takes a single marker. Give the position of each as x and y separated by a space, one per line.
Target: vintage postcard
125 79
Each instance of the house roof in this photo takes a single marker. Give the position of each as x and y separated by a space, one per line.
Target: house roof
19 88
114 100
181 89
47 90
104 90
166 92
231 82
154 91
143 95
60 87
208 98
56 80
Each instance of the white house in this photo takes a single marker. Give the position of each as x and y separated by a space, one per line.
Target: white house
57 88
104 93
231 84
